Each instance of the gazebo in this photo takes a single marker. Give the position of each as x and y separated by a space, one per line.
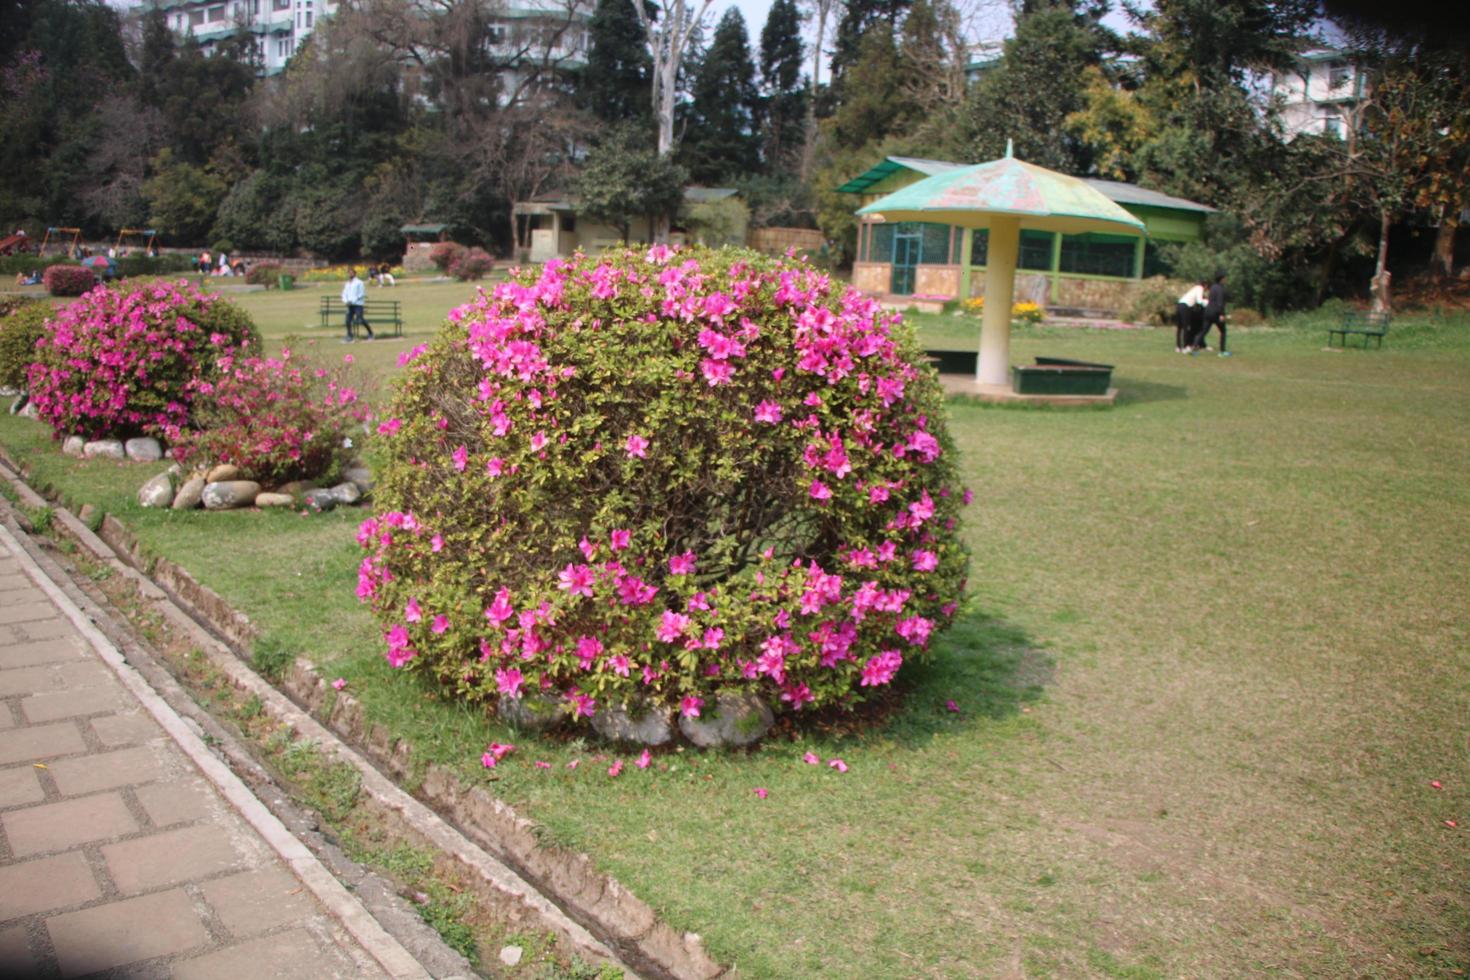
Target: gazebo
1002 196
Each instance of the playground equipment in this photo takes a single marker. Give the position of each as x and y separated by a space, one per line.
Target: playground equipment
147 237
19 242
72 249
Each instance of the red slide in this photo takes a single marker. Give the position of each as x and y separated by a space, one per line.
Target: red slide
10 243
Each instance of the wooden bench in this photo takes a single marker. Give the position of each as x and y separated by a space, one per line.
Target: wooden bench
378 313
1363 324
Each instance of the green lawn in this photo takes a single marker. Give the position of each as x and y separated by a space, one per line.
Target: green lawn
1215 651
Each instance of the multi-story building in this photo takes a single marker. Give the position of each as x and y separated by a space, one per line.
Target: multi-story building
1319 94
533 34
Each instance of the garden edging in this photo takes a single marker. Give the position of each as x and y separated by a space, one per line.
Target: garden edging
592 911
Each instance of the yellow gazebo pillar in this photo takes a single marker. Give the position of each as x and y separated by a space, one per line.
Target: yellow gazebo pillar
994 367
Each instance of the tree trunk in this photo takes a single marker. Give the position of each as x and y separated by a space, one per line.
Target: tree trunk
1381 275
1443 263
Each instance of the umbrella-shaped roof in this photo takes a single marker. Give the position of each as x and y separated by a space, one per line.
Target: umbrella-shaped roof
98 262
971 197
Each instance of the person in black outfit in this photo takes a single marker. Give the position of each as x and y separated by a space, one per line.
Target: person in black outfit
1214 315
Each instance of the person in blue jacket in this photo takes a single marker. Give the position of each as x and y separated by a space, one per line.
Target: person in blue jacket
354 295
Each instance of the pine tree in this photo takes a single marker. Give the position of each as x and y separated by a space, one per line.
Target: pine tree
616 83
721 142
783 95
860 18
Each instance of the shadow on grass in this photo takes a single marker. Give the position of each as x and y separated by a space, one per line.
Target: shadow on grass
1131 391
988 667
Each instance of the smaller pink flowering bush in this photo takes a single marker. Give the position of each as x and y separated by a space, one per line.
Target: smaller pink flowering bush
68 280
474 263
661 477
275 418
444 254
119 361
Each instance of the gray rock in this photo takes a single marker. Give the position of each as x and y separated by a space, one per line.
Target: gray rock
73 445
637 723
296 487
104 449
8 392
511 955
735 720
529 712
28 410
274 500
190 495
143 450
360 475
346 494
223 473
157 492
319 499
228 494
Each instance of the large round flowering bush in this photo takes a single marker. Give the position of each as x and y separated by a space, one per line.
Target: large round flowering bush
119 361
658 478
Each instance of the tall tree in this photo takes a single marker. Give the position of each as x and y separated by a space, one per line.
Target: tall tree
720 142
784 99
615 84
624 178
859 19
668 26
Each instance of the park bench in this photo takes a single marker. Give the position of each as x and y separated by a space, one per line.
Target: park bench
379 313
1363 324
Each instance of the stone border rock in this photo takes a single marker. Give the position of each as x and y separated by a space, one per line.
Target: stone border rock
594 901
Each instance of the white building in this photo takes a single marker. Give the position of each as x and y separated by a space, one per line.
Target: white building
544 33
1320 93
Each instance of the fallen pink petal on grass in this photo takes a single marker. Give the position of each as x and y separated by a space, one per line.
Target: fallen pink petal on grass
542 765
760 791
574 763
644 760
489 760
838 764
339 683
950 705
1435 783
1451 824
616 769
812 759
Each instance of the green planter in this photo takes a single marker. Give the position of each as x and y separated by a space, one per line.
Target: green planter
1058 376
288 282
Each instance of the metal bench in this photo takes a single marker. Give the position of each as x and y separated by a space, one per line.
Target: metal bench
1363 324
378 313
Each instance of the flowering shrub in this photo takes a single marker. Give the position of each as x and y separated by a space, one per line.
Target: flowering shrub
68 280
118 361
444 254
21 323
1025 312
264 274
275 418
471 264
661 477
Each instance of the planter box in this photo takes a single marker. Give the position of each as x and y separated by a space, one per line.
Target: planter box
1057 376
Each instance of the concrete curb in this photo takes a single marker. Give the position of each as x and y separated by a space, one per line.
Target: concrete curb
593 912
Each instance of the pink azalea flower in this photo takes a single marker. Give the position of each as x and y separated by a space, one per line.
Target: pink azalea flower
577 579
768 411
488 760
508 681
538 441
339 683
616 769
440 625
619 665
436 544
760 792
501 751
811 759
347 358
412 612
636 446
681 564
500 609
819 491
389 427
716 373
925 561
494 466
838 764
689 707
574 763
460 456
620 538
644 760
950 705
672 626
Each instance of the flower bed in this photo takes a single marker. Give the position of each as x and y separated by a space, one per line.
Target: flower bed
658 480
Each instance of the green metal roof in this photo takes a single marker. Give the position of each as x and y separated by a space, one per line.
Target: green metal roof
1121 193
889 166
422 229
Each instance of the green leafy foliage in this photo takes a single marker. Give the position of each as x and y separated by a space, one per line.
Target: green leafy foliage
21 325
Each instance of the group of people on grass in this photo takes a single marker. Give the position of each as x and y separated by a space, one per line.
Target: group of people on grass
1201 307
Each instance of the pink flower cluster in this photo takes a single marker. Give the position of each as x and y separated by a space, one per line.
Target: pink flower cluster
119 362
661 477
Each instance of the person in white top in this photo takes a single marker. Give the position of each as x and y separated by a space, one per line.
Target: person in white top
1189 316
354 295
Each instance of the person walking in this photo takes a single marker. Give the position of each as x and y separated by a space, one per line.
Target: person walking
1215 313
354 295
1188 316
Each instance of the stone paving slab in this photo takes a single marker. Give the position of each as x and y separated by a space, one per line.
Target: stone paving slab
116 852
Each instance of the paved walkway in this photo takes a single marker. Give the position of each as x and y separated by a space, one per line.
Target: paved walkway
116 852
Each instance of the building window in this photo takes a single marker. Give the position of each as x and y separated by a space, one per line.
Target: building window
216 14
1035 251
1098 255
196 17
308 20
1331 123
1339 76
280 4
